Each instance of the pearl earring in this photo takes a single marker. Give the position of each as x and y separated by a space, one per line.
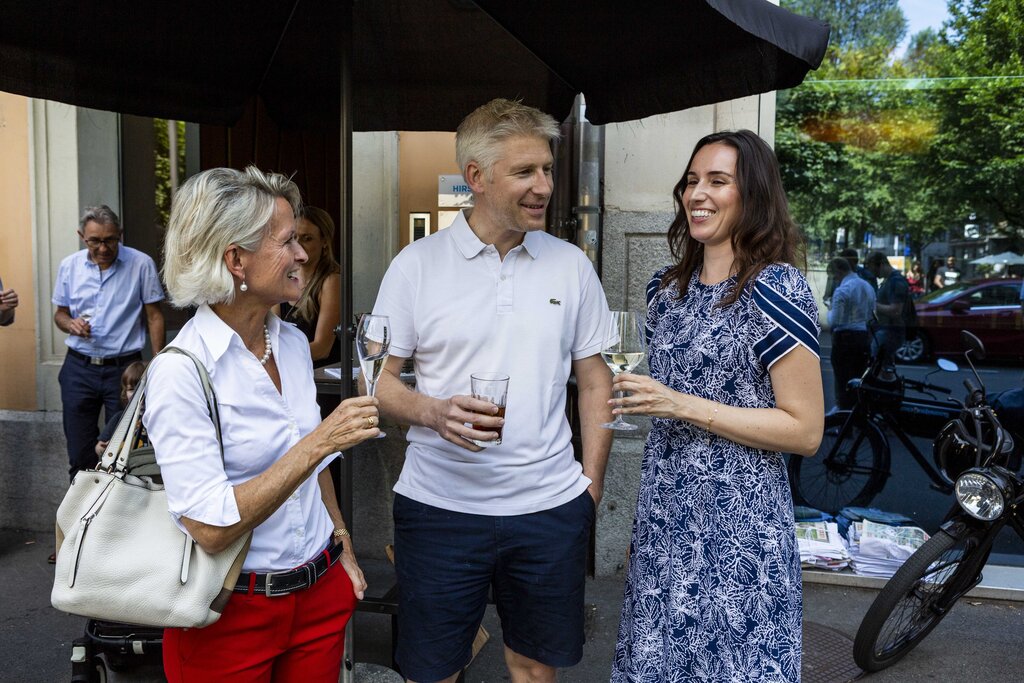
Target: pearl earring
244 287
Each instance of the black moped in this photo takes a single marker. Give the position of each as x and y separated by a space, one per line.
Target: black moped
981 457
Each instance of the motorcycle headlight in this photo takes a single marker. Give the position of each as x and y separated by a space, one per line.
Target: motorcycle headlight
983 493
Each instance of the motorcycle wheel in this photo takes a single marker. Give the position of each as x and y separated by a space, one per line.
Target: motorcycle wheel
918 596
850 467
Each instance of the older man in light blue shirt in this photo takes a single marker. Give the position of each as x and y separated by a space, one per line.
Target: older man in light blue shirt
101 293
853 305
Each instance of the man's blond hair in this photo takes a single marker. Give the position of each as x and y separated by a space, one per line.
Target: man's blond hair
481 134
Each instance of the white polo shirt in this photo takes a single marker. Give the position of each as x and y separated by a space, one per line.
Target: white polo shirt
460 309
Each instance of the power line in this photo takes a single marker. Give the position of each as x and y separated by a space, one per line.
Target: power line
921 83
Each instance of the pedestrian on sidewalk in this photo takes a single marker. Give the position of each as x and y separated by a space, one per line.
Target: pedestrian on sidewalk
101 294
894 308
853 305
948 274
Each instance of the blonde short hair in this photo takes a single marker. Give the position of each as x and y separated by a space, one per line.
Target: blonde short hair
481 134
211 211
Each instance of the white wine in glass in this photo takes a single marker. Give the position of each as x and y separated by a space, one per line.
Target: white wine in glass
373 344
86 314
624 349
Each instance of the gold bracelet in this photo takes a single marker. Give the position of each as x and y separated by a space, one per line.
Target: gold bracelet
340 533
711 418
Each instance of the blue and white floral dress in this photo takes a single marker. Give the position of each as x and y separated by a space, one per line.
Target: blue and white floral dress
713 591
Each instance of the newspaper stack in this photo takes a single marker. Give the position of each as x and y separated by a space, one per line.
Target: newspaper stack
821 546
880 549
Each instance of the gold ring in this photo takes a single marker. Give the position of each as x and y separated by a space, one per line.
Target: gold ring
370 422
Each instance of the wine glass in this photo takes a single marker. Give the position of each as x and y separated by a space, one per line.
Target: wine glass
86 312
624 349
373 343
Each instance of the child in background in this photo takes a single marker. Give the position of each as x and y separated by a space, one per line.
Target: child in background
130 378
129 381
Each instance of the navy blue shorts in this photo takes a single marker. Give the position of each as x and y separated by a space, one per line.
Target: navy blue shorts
448 563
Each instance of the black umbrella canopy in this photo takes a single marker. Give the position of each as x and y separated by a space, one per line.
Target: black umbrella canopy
636 59
416 64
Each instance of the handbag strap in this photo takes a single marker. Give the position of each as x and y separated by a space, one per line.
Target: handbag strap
115 457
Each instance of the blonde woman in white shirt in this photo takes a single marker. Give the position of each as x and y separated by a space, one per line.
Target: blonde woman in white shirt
231 251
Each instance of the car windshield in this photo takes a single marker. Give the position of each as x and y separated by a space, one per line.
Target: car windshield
941 296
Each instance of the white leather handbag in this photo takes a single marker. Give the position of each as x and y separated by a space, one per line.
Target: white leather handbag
120 556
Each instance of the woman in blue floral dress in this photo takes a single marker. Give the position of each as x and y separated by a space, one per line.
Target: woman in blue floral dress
713 590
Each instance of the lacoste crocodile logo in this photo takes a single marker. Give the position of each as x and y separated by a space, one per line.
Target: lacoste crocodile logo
554 302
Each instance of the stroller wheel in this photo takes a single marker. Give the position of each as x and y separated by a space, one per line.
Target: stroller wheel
99 669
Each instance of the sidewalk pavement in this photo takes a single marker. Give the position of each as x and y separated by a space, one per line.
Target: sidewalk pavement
979 641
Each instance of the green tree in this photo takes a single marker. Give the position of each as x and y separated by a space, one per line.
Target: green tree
854 145
163 165
864 31
921 55
914 143
979 147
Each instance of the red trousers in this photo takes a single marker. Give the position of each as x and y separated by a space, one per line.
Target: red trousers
296 637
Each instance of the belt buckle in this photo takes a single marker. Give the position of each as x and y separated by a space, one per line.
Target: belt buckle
266 586
96 360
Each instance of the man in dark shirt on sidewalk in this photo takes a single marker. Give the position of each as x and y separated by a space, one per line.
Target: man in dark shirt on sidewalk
891 306
948 274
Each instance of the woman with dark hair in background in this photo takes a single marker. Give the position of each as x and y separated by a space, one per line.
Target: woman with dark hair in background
915 278
713 590
318 311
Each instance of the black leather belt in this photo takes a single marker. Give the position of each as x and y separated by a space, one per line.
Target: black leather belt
283 583
113 360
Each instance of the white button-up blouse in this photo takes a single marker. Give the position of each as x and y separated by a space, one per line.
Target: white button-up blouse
259 425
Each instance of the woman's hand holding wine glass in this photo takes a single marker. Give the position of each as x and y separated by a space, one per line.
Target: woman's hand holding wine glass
373 343
624 349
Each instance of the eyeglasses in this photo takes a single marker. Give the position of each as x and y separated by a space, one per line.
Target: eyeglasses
109 243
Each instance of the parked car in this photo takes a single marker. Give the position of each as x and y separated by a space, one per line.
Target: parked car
990 309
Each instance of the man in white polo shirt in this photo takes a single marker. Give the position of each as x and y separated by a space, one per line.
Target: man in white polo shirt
495 293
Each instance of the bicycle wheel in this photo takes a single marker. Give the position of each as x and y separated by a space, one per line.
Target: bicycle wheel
850 467
918 596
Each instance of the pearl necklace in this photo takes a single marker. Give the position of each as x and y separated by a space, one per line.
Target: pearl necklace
267 350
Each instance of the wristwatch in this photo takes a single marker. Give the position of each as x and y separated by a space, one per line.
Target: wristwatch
338 534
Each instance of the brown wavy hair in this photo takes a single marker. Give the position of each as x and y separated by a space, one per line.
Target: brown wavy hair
130 379
308 306
765 232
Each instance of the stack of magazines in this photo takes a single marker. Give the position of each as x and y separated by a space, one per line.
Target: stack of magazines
880 549
821 546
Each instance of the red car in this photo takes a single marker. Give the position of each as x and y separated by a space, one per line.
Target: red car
991 309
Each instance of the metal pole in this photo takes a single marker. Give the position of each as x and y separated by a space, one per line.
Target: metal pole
589 185
172 155
345 259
